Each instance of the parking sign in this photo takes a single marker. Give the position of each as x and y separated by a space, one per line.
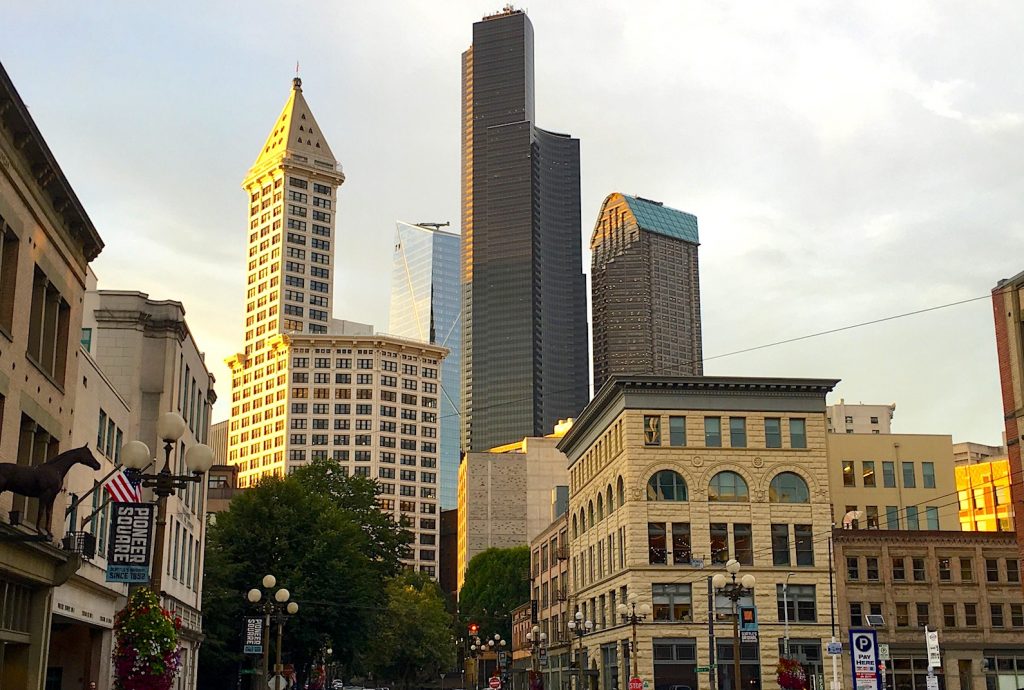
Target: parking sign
864 657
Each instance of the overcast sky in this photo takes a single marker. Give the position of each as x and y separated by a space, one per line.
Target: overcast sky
847 161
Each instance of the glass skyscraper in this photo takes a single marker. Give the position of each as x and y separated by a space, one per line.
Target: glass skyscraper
426 304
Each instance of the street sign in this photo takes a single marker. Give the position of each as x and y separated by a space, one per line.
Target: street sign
705 669
130 542
253 635
864 658
647 685
748 618
502 659
835 648
249 671
931 638
748 636
494 683
636 683
277 683
932 682
542 656
883 651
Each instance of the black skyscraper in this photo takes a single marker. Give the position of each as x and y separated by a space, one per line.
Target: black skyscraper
524 311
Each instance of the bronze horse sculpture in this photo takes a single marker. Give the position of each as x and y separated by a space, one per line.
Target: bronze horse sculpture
44 481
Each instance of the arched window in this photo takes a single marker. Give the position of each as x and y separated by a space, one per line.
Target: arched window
666 485
574 532
611 505
622 493
583 522
788 487
590 514
600 507
728 486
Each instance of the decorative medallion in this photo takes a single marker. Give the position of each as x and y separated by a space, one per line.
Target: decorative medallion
697 461
758 462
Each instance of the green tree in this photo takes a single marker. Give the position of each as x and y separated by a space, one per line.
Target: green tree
413 642
324 539
497 581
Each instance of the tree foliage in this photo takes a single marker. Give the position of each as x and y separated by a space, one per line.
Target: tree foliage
497 581
413 642
323 537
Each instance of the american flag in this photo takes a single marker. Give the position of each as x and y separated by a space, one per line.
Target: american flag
123 488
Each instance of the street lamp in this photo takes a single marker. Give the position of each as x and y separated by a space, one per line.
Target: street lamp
580 628
633 614
274 609
170 427
537 640
734 590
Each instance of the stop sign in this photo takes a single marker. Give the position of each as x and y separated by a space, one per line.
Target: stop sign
636 684
494 683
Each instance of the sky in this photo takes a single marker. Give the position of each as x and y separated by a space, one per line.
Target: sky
847 161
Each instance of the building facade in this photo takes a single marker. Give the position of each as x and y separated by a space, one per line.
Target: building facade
550 586
426 305
645 290
146 351
46 244
670 477
859 418
965 585
524 354
507 496
968 452
1009 325
896 481
984 494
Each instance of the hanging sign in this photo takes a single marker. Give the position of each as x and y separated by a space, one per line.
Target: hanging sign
864 656
130 543
253 635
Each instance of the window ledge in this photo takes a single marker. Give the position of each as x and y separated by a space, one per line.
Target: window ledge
45 373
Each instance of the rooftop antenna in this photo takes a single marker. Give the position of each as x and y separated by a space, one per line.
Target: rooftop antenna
436 226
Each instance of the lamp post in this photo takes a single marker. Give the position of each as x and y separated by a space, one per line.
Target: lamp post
785 613
537 639
497 645
276 610
580 628
476 651
734 590
170 427
633 614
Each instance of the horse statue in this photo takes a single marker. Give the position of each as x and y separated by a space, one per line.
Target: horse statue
44 481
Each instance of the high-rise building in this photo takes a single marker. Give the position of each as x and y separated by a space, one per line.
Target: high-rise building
426 305
524 355
645 289
308 386
858 418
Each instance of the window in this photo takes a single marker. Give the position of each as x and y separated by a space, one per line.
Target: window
804 544
49 321
909 478
892 517
677 431
672 602
719 542
996 611
737 432
889 474
902 615
772 432
728 487
966 569
944 572
899 569
871 513
666 485
971 615
656 545
928 475
917 566
992 570
780 544
848 477
868 472
652 430
949 615
1017 615
872 568
931 514
1012 570
801 602
913 522
856 616
713 432
743 543
798 433
788 487
8 269
681 553
852 568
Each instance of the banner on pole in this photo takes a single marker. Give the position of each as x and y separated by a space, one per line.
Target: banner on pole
253 635
131 542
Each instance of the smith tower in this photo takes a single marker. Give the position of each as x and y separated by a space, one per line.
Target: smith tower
524 294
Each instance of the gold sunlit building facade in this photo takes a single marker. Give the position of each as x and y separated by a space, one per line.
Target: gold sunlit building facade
983 490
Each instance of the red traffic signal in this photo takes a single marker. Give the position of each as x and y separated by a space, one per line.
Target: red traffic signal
474 628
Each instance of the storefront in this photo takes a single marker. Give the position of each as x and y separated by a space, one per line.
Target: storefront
675 663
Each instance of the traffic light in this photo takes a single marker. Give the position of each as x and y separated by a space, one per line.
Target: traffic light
474 628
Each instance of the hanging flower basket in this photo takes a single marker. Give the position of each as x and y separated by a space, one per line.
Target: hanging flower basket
146 655
791 675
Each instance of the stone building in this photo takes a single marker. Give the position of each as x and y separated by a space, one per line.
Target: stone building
670 477
896 481
984 494
46 244
550 586
858 418
966 585
506 495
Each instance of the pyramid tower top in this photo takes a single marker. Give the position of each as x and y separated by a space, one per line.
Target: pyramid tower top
296 138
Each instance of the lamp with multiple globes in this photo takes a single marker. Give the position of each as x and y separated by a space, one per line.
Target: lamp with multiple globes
734 588
275 609
632 613
580 628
